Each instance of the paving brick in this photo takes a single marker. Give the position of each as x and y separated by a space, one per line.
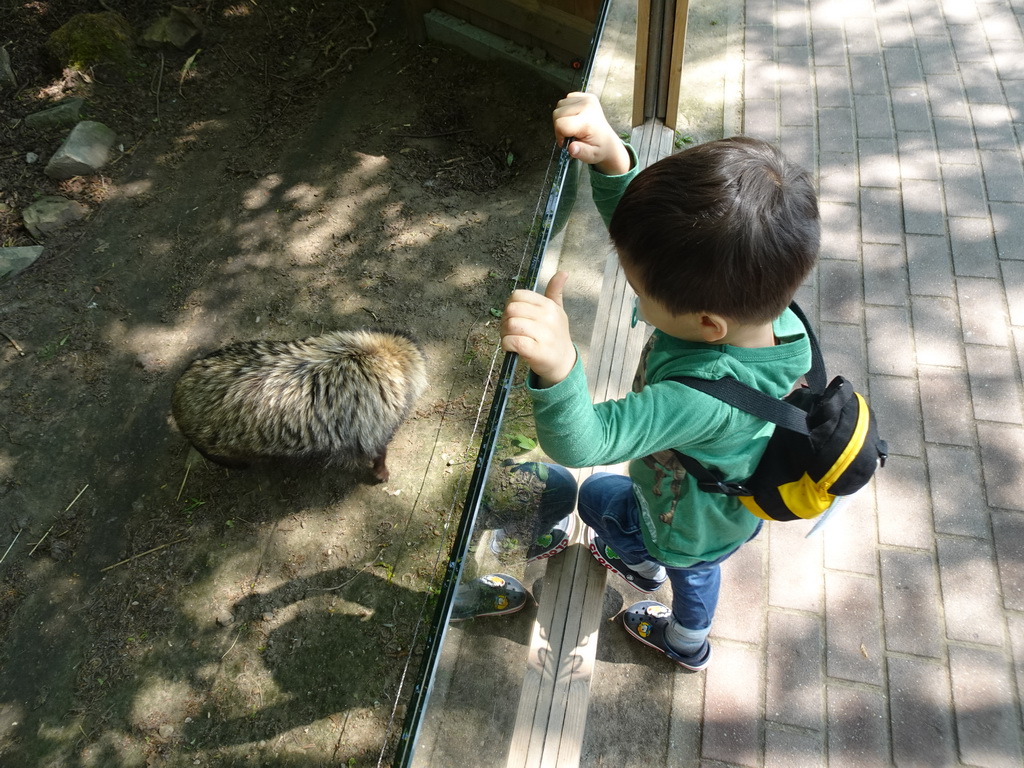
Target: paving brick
955 138
910 600
843 348
791 23
904 504
936 53
964 190
742 603
760 119
879 162
921 713
841 225
832 85
795 104
983 700
881 216
993 126
849 534
983 311
858 732
999 23
795 681
947 99
1008 532
795 575
867 73
853 628
972 242
1015 624
1013 283
968 45
793 748
758 42
732 706
759 82
895 30
946 405
835 130
885 275
936 323
958 491
981 82
829 47
760 15
929 266
837 179
910 110
797 142
888 335
1004 176
873 116
970 590
994 388
918 154
861 35
897 408
923 210
1008 222
841 287
1007 58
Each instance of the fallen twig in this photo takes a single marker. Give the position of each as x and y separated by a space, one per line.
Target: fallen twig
143 554
32 551
347 51
11 546
14 344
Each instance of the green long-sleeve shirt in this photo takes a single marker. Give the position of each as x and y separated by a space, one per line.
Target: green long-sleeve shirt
681 525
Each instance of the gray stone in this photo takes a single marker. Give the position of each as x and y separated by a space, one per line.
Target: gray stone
7 78
16 260
181 29
84 151
51 213
66 113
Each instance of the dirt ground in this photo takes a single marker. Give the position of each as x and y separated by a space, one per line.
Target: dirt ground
309 169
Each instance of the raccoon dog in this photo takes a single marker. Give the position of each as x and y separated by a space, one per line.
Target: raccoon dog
339 397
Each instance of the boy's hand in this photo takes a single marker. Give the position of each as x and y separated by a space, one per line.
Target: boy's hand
537 329
579 116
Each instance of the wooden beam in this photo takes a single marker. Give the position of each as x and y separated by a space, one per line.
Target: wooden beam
643 32
675 73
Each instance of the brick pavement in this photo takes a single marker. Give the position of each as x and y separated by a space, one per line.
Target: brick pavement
897 637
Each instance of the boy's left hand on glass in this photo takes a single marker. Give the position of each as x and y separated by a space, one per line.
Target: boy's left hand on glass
535 327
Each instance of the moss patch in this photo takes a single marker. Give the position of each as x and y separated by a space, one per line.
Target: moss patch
89 39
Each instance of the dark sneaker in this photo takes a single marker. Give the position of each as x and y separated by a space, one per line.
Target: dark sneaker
554 541
606 556
495 594
648 620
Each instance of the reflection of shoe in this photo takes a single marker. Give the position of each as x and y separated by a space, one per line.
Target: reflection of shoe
552 542
493 595
647 622
606 556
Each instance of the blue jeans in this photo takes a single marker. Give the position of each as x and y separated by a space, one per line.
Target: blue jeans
607 505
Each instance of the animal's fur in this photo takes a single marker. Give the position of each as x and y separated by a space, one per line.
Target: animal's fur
338 397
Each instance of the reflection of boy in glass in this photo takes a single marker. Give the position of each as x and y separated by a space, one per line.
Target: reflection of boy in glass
715 241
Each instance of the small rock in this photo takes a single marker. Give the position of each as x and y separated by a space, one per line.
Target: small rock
18 259
66 113
85 151
7 78
181 29
225 618
166 731
60 550
31 157
51 213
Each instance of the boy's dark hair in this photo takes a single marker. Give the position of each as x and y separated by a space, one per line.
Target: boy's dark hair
730 227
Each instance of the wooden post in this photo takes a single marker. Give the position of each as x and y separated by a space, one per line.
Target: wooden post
660 41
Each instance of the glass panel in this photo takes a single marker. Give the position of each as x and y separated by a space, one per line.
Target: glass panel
518 507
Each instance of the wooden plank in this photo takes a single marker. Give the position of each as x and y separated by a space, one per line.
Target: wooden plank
675 67
643 29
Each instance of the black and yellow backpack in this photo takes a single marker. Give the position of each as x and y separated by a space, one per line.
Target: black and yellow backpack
825 446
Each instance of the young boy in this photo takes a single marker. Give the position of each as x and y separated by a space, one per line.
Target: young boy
715 241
